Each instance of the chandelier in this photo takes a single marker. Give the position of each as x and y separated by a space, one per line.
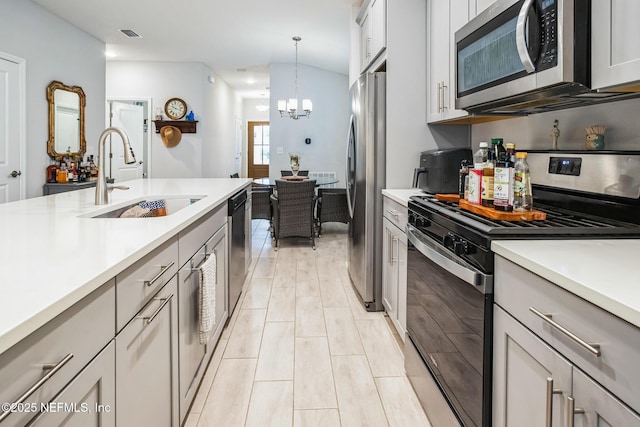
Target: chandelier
290 108
262 107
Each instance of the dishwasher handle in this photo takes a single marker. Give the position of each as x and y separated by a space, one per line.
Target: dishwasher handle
237 201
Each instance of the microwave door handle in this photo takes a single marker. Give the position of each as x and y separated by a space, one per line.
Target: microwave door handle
521 37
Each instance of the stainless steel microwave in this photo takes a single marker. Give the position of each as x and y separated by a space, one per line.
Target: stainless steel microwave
526 56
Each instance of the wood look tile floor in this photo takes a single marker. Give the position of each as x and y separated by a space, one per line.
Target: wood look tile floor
301 350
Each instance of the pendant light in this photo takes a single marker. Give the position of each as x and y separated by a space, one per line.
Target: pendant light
290 108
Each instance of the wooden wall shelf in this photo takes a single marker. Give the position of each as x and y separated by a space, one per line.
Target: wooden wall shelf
185 126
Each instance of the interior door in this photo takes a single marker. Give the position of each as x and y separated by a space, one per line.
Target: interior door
10 110
130 118
258 148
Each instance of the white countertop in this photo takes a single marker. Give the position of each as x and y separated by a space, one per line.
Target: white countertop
603 272
401 195
50 258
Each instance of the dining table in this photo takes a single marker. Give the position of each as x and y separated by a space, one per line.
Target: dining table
271 182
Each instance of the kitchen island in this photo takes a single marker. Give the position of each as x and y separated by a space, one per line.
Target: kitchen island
91 304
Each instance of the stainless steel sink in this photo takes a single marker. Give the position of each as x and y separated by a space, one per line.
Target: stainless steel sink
172 205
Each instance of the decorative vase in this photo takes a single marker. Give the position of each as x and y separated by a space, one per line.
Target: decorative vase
294 168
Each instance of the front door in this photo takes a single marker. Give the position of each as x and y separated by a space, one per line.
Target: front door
258 148
130 118
11 138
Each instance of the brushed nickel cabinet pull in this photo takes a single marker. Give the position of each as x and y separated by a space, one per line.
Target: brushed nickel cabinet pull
550 392
394 255
163 269
165 301
572 411
592 348
53 368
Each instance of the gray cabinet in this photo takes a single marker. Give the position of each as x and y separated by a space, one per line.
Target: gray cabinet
88 400
194 355
373 31
394 264
615 51
529 377
543 333
146 364
48 359
444 18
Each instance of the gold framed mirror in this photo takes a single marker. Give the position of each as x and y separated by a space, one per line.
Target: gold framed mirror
66 120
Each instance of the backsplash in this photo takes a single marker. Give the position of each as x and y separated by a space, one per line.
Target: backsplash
534 132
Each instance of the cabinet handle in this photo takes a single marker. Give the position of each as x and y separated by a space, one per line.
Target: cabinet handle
368 47
550 392
53 369
393 213
163 269
165 301
439 96
572 410
592 348
444 97
394 258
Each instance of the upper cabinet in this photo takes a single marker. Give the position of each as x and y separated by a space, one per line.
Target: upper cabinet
444 18
614 48
476 7
373 31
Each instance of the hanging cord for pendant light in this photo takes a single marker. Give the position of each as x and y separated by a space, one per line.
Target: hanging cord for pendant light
296 39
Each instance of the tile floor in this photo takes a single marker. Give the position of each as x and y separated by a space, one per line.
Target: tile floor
301 350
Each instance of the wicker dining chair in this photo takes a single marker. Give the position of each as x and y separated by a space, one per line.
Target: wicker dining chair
293 210
332 206
260 203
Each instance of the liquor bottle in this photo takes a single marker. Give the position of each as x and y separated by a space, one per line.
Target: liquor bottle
487 180
522 194
503 184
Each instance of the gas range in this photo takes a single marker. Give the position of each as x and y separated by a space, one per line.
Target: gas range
594 211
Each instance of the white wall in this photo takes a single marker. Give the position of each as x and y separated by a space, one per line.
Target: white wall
534 132
207 153
327 127
407 131
53 50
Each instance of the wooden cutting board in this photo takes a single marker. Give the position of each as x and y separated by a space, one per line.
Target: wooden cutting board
448 197
503 216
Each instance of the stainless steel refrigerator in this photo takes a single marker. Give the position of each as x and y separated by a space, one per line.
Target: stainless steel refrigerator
365 178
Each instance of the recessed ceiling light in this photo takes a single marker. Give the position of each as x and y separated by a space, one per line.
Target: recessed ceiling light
110 54
250 81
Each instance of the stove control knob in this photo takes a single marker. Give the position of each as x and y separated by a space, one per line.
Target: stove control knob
458 248
412 219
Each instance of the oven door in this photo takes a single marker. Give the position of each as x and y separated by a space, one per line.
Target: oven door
449 322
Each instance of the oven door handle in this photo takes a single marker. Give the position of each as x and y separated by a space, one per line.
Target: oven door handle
427 247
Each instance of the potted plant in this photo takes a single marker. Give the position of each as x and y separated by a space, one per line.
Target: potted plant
294 160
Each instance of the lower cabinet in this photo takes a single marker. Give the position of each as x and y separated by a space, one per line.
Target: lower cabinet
89 400
533 385
394 275
193 355
147 362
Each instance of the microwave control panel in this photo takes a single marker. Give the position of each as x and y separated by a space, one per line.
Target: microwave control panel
548 16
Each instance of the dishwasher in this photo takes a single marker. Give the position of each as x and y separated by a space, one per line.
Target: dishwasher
237 248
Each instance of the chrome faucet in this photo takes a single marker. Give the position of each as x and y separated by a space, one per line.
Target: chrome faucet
102 189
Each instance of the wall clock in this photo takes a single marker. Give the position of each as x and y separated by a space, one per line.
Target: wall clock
175 108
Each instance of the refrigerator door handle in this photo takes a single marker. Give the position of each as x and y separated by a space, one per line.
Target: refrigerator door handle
350 144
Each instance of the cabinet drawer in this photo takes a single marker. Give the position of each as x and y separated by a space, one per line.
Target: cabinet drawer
81 331
138 283
194 236
395 212
518 291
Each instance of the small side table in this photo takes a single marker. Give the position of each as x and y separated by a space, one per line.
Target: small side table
56 188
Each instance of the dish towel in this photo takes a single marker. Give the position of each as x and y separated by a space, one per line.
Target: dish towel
207 297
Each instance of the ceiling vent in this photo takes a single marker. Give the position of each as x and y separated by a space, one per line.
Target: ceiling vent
131 34
241 70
